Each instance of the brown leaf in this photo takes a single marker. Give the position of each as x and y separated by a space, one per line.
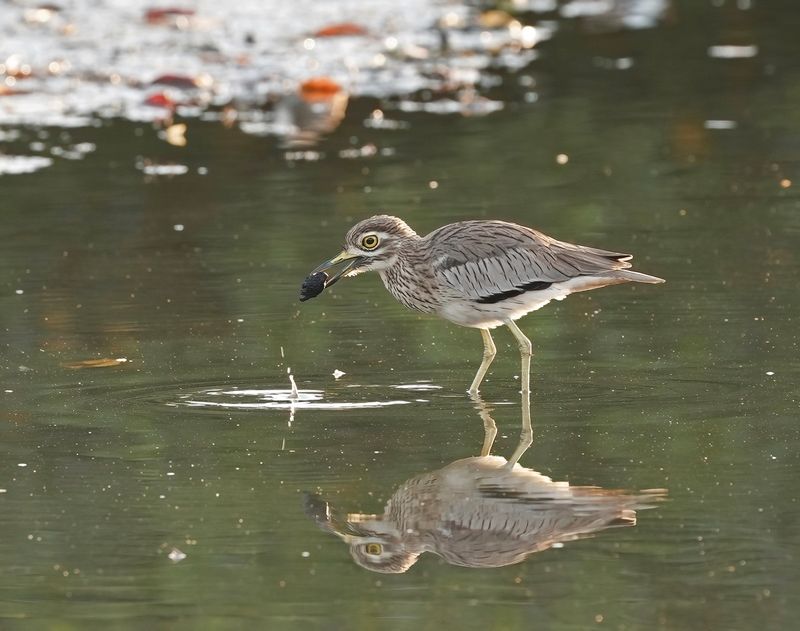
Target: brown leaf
106 362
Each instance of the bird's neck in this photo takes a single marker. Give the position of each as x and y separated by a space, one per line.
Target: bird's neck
405 250
405 276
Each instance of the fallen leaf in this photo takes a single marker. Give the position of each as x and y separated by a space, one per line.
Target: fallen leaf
106 362
160 16
494 19
344 29
176 135
159 99
176 81
319 89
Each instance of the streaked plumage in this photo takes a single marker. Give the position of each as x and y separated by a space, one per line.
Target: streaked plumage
478 274
477 512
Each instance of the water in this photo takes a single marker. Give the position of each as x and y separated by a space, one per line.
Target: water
112 470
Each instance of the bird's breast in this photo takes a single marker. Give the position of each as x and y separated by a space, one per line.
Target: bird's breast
410 288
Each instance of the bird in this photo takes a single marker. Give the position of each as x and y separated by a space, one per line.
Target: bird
476 512
479 273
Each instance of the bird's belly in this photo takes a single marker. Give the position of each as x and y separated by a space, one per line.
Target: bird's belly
488 316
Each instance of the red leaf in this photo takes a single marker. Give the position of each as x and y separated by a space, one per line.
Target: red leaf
341 30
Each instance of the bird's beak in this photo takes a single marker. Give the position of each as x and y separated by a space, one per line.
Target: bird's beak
350 261
353 532
354 528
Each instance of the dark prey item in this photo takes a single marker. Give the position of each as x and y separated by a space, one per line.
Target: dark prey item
313 286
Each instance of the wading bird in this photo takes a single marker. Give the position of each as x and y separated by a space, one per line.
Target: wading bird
479 274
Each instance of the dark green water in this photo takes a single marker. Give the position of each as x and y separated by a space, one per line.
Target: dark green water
689 386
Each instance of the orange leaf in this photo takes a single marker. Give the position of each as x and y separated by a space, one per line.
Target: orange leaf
341 30
319 89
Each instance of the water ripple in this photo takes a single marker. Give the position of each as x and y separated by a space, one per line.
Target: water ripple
274 399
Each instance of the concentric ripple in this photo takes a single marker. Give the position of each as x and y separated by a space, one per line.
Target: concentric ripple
275 399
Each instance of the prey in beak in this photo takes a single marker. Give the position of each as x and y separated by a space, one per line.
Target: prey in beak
318 280
352 530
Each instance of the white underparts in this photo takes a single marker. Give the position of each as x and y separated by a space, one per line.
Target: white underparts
488 316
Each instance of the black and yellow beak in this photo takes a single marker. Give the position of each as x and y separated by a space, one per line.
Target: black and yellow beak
351 261
323 515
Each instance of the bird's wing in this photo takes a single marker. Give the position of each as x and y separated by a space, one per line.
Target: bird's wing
485 260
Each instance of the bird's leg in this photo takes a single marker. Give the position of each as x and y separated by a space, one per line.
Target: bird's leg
526 435
489 351
489 426
525 352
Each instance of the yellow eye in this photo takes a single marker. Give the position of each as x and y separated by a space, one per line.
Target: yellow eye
370 242
374 548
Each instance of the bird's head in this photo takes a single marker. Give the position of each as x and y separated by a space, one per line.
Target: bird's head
376 544
381 556
371 245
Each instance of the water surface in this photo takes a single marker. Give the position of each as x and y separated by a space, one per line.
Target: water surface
112 470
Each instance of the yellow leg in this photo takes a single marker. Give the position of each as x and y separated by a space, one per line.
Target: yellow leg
526 435
525 352
489 351
489 426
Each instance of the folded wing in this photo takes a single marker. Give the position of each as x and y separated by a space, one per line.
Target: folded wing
490 261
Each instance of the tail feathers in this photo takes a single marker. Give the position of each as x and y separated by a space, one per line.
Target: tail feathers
637 277
611 277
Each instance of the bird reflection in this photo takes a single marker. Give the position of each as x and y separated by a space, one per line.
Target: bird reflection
478 512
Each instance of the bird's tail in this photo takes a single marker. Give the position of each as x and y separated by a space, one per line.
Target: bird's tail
604 279
637 277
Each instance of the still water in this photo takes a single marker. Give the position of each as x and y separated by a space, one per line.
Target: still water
157 473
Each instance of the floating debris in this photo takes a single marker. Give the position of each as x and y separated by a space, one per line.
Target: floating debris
470 106
174 135
176 556
160 99
14 165
729 51
97 363
337 374
167 16
299 156
169 170
345 29
367 151
720 124
614 63
377 120
182 81
75 152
